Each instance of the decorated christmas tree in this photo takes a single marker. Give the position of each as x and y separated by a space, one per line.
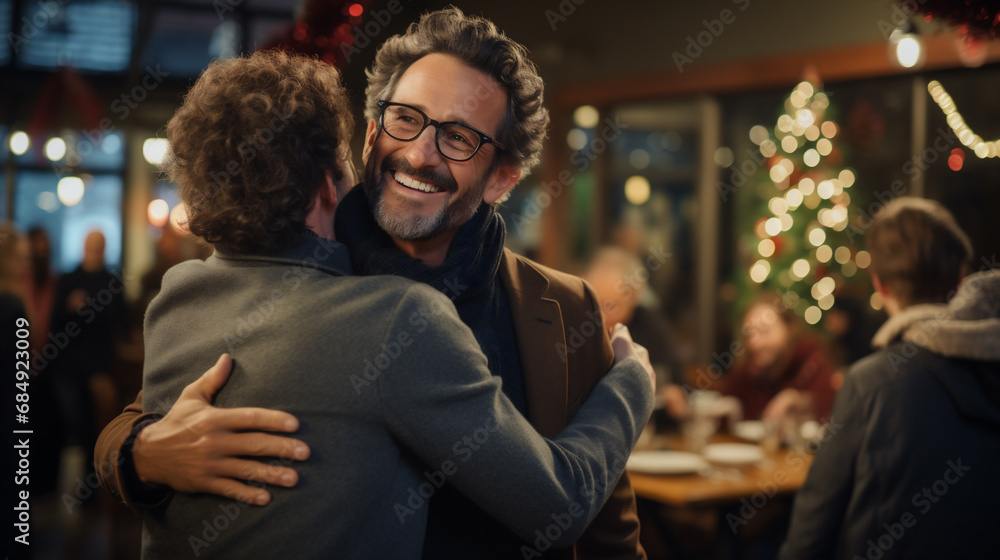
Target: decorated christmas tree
794 236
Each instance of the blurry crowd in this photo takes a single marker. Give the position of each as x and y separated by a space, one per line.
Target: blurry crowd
86 357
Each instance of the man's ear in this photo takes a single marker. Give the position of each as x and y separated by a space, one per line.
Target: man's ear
500 182
328 195
370 135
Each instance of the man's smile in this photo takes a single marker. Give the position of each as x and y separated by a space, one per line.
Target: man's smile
413 184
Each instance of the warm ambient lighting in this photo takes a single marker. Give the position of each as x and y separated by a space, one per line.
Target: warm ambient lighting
905 47
19 143
637 190
158 212
982 148
759 271
154 150
55 149
70 190
586 116
178 218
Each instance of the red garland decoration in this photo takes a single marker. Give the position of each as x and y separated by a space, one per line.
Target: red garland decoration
980 17
326 29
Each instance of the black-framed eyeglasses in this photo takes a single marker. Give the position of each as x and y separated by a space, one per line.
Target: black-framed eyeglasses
455 141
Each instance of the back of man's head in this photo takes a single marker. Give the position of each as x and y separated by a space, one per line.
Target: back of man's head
477 42
918 251
252 144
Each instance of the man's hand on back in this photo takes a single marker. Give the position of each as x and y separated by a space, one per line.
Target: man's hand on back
197 447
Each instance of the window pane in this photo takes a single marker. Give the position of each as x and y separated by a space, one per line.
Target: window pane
96 151
263 31
36 203
5 29
95 35
183 42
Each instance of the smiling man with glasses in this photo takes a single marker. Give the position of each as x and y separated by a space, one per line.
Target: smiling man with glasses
455 120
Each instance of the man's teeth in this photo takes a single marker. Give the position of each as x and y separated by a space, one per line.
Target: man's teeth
415 184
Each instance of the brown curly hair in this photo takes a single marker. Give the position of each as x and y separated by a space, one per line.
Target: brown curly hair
252 143
477 42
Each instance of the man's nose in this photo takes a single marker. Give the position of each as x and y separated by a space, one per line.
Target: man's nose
422 150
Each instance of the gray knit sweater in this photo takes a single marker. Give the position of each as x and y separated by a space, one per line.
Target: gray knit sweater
393 396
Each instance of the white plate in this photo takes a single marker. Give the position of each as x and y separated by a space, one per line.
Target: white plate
750 430
734 453
666 462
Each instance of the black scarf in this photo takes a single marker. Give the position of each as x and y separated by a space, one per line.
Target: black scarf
468 276
456 528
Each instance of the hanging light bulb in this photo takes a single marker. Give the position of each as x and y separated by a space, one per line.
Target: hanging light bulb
905 46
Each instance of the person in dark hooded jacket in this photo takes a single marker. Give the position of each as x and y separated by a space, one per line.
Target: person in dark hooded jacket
910 465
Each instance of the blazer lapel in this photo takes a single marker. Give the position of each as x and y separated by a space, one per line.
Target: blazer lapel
541 343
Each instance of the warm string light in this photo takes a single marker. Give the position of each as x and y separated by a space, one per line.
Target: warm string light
982 148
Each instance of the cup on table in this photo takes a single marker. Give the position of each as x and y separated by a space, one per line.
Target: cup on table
701 421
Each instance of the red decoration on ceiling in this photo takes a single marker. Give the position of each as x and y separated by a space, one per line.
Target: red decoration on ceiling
62 90
979 17
326 29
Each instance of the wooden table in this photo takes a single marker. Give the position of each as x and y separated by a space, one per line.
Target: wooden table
782 472
733 495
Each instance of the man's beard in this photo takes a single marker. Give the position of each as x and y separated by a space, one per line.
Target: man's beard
457 209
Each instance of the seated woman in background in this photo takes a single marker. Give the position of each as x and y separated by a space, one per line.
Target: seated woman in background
783 371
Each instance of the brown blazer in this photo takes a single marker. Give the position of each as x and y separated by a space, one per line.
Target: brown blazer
564 350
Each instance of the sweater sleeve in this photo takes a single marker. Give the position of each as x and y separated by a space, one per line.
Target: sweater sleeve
440 400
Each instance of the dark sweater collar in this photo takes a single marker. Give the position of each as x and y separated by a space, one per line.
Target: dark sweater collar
469 267
308 250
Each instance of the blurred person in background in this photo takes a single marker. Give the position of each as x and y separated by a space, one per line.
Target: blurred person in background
87 322
619 281
783 372
911 467
41 289
15 275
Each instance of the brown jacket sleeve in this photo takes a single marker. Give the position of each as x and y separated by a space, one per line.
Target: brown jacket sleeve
113 459
614 533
